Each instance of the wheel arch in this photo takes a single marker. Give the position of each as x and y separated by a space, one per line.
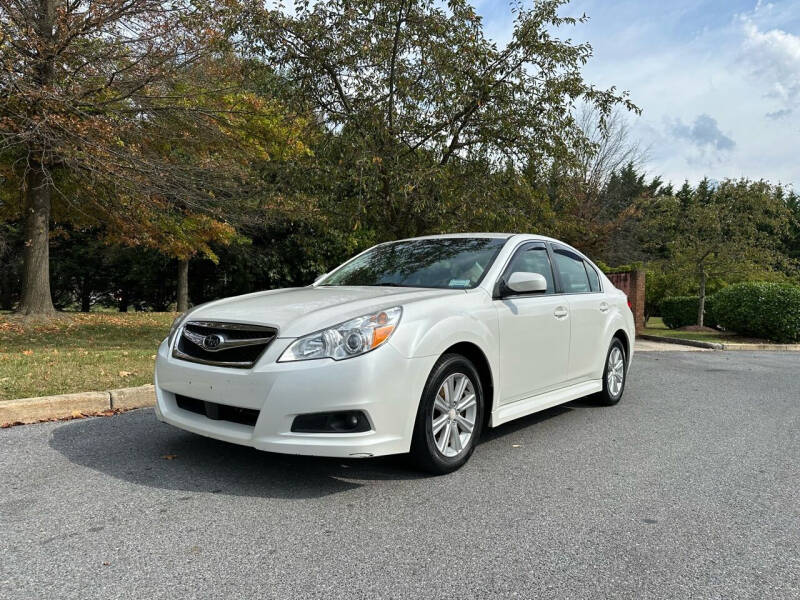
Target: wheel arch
622 336
478 358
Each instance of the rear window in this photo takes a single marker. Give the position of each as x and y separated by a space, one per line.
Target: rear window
594 280
573 275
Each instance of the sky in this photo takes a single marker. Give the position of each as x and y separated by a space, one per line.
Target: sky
718 81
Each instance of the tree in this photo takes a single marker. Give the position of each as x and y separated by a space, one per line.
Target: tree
410 90
261 132
594 188
793 240
728 231
85 91
178 234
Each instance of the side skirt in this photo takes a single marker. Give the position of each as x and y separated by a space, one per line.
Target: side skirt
520 408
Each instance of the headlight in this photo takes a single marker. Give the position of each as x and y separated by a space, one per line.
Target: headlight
348 339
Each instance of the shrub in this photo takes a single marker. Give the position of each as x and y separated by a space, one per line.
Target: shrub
760 309
679 311
710 318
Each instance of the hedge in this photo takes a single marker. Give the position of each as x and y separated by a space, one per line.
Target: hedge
680 311
761 310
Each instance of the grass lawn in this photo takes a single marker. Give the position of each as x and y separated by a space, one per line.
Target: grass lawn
78 352
655 326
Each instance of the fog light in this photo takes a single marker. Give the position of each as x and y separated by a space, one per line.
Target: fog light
347 421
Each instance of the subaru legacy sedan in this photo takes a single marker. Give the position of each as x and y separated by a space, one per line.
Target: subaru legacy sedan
413 346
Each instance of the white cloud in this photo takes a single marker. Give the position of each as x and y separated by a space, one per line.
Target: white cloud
734 60
774 58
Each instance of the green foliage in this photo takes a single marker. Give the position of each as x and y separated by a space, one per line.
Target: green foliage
761 309
620 269
731 231
661 283
680 311
293 139
793 237
424 114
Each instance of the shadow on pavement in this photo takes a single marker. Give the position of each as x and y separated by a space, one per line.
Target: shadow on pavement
134 447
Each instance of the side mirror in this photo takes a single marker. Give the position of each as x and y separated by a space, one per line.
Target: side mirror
522 282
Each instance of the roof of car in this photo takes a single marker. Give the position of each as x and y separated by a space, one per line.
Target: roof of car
481 235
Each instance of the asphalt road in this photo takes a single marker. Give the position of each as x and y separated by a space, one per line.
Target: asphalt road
690 488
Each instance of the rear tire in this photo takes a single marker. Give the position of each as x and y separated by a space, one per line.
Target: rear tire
615 374
449 417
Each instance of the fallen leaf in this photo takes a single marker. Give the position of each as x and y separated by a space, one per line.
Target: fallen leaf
170 456
27 352
125 373
105 564
516 445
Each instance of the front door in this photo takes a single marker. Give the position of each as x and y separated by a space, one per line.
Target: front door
534 331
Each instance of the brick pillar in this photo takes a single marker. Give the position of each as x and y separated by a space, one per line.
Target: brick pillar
632 283
636 297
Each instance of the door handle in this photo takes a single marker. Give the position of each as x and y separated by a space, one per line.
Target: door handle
604 307
560 312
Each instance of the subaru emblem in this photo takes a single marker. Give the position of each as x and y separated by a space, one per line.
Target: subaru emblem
212 342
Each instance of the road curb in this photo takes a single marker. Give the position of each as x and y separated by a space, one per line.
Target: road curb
769 347
680 342
722 346
135 397
67 406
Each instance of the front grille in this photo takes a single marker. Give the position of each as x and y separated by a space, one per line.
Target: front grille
223 344
218 412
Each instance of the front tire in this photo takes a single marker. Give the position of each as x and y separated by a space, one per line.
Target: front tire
450 416
615 374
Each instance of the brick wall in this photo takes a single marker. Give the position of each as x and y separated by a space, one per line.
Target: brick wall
632 283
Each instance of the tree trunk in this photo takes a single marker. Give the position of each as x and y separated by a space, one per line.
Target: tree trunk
701 305
183 285
5 289
36 298
86 296
124 302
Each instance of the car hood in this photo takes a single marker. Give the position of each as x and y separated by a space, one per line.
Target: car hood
299 311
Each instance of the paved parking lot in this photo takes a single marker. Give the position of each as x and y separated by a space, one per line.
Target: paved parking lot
687 489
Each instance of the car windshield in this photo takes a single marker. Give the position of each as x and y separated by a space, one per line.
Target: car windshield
432 263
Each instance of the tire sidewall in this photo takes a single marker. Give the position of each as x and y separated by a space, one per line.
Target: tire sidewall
446 366
609 399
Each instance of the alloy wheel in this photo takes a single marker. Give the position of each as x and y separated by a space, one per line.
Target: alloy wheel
615 372
453 416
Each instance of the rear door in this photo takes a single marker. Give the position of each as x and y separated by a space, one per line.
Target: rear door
534 330
589 312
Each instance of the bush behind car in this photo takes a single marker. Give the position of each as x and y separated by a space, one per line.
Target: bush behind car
760 309
680 311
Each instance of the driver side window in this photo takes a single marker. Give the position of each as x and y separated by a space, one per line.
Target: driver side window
533 259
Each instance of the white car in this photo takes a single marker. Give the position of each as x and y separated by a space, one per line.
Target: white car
411 346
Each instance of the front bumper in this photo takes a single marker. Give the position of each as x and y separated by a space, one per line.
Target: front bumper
382 383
